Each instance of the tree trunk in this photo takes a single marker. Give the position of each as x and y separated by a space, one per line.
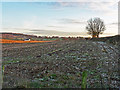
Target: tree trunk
93 36
98 36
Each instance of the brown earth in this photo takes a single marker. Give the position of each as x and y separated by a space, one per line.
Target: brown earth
60 64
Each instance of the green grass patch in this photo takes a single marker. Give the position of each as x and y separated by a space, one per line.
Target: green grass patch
10 61
34 85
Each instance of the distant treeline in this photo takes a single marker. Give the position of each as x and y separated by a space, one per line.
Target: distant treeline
20 36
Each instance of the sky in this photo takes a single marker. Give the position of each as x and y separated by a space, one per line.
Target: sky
58 17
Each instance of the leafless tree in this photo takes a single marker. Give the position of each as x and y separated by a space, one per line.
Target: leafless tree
95 27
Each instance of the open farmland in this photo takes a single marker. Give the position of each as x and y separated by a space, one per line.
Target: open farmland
19 41
60 64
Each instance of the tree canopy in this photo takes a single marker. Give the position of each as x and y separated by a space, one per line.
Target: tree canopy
95 27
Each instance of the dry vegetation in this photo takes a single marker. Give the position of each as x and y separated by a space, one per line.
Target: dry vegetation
19 41
60 64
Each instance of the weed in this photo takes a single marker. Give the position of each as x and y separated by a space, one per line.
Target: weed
3 69
53 76
34 85
84 79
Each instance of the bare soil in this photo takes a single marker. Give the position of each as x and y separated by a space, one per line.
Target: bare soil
60 64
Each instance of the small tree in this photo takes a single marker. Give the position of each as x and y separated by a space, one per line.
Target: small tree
95 27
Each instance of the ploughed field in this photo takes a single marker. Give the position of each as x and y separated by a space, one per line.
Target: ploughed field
60 64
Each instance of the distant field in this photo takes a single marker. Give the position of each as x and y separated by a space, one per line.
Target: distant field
19 41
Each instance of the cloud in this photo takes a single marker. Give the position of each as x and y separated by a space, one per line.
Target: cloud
115 23
47 32
60 0
87 1
104 6
72 21
52 26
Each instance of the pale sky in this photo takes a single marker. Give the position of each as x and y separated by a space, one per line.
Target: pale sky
58 17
